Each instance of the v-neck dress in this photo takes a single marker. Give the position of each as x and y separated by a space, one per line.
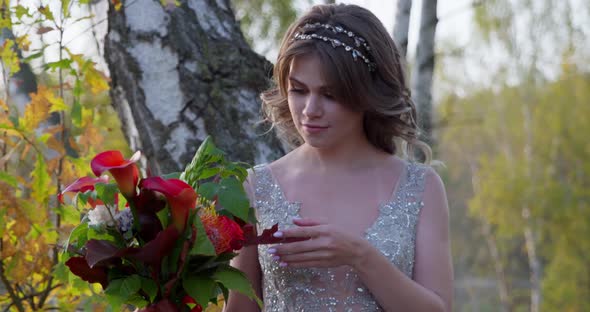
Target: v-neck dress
288 289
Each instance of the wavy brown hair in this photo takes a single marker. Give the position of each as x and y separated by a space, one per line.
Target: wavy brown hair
382 94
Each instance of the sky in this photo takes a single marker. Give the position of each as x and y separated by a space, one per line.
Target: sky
453 15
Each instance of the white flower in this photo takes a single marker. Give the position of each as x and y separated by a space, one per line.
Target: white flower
125 220
100 216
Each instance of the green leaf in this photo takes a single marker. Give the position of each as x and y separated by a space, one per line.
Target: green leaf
64 7
2 221
236 280
137 301
106 192
32 57
61 272
203 245
208 190
69 214
200 288
41 180
113 295
233 197
21 11
46 12
150 287
76 112
209 172
206 153
172 175
164 216
44 137
94 233
121 290
9 179
63 64
78 237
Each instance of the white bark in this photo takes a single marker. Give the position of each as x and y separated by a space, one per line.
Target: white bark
529 232
182 73
423 71
402 26
486 231
19 84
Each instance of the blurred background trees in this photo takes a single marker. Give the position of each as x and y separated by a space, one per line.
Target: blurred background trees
508 120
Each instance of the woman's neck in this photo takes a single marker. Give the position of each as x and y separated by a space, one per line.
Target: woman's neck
357 155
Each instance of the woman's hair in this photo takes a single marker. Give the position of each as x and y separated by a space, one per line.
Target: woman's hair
363 77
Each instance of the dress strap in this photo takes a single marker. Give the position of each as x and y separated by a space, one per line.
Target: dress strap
411 189
262 181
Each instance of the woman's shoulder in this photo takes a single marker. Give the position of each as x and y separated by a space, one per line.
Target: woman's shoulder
269 169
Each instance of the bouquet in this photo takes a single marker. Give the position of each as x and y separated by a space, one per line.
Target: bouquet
163 243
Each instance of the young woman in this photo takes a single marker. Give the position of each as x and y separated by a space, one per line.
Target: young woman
375 225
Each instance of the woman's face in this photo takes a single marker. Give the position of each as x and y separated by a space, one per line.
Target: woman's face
319 118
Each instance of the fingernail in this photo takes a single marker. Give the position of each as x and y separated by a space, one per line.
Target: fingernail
272 251
296 218
278 234
276 258
283 264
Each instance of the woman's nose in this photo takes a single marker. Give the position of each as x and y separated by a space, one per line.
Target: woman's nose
312 106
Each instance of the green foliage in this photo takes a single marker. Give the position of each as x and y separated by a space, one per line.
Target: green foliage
527 148
203 245
228 177
235 280
264 20
200 288
38 157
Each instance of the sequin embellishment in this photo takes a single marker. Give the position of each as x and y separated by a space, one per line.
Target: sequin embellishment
288 289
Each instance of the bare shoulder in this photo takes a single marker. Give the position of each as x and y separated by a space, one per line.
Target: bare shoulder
434 187
279 167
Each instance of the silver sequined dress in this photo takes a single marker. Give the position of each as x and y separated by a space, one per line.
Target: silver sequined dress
337 289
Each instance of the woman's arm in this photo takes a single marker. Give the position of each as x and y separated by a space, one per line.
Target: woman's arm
432 287
247 262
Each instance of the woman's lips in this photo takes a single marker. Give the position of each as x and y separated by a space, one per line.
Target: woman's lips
314 128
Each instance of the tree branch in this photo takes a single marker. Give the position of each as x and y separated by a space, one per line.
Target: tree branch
11 292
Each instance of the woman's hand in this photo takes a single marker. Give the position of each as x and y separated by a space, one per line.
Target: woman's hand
328 246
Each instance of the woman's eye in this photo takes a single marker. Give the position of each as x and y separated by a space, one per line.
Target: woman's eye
295 90
329 96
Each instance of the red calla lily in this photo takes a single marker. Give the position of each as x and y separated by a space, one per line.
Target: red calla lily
123 170
82 185
181 197
80 267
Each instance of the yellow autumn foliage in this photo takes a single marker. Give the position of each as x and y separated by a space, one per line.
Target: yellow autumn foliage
37 110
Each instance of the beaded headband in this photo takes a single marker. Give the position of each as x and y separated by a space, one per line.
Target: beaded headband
358 41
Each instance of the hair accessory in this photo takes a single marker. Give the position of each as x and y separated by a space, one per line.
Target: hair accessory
358 41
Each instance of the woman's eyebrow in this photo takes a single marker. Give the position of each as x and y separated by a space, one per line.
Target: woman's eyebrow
293 79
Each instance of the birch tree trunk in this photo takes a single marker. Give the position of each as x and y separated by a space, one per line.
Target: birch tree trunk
402 26
528 231
424 68
20 84
486 231
182 73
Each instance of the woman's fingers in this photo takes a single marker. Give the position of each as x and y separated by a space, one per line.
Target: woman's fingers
309 221
297 247
319 255
308 264
301 231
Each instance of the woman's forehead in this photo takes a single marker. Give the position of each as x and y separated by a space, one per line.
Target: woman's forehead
307 69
